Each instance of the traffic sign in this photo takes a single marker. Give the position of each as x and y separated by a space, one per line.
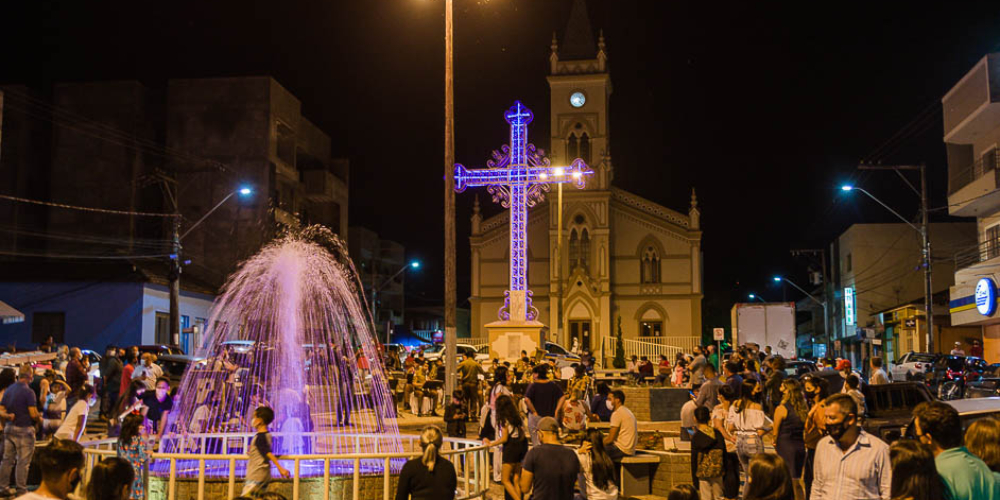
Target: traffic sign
718 334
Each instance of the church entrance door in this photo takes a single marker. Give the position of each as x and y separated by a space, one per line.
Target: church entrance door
579 330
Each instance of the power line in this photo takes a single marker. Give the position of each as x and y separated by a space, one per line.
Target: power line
77 257
85 209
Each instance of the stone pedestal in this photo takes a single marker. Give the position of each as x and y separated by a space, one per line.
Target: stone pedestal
509 338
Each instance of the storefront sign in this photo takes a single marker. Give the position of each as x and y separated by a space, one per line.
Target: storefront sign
986 296
849 306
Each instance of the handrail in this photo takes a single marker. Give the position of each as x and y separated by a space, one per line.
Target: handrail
470 455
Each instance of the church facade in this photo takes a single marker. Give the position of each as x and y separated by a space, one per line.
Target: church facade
622 256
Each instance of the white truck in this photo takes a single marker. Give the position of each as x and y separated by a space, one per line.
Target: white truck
766 324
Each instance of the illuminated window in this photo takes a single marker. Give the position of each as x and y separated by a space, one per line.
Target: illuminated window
651 328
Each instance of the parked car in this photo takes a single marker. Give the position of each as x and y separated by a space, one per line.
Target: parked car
560 355
436 351
983 388
798 368
890 407
969 410
913 365
159 349
174 366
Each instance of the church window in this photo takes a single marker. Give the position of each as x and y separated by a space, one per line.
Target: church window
572 148
650 267
584 251
651 328
574 249
585 148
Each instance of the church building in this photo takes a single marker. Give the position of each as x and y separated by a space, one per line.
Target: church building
622 256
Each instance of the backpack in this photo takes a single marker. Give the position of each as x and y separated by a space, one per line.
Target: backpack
709 464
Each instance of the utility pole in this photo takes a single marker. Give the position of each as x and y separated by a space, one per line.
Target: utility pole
450 287
924 231
175 281
821 252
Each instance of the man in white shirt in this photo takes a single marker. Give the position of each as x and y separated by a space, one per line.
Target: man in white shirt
146 372
878 374
688 422
623 433
850 463
958 351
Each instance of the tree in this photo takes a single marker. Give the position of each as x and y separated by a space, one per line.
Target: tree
619 361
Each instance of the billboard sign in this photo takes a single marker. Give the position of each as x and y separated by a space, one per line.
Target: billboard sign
850 307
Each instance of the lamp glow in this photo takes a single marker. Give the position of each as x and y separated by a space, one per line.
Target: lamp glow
543 176
846 187
752 296
577 175
415 264
245 191
777 279
560 171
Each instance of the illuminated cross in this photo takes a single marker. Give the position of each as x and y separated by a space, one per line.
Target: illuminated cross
517 177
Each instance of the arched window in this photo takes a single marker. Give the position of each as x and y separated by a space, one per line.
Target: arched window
574 249
650 266
572 148
585 251
585 148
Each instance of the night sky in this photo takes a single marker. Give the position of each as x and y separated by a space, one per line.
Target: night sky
765 111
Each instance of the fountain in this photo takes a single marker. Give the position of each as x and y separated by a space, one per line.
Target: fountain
291 331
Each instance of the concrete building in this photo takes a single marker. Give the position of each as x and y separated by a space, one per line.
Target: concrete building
971 134
623 255
124 146
878 267
379 263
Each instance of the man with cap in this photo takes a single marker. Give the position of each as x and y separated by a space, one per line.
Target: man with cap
550 469
958 351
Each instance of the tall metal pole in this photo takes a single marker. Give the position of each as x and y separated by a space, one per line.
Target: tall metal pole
928 286
559 286
450 287
175 283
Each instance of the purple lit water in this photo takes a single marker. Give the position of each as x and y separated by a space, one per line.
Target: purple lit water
291 331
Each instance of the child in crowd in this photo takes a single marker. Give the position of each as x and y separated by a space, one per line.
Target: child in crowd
454 415
259 465
132 447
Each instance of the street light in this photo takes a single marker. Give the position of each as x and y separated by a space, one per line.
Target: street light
753 296
926 251
412 265
175 262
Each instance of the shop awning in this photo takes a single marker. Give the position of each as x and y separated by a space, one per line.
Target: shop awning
9 315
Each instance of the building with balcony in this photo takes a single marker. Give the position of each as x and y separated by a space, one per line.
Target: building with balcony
971 135
879 267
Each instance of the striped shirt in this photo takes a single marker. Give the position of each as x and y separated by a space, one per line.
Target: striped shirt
863 472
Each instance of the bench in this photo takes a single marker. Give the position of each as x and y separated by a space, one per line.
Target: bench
637 474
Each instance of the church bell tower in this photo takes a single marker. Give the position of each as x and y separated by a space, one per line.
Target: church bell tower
580 88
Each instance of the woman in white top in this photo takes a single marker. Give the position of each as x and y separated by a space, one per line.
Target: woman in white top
54 407
597 468
76 420
499 389
748 423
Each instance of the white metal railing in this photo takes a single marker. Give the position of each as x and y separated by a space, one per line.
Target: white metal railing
651 347
470 457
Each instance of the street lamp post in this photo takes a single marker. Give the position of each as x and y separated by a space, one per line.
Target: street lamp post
450 286
754 296
175 262
925 250
412 265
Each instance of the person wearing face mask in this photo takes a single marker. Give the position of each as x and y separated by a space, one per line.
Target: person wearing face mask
157 406
850 463
61 463
966 476
622 434
75 423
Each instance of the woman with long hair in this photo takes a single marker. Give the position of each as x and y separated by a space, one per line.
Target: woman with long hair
132 448
597 467
500 381
111 479
914 475
514 438
429 476
749 424
130 402
982 438
789 427
816 391
768 479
